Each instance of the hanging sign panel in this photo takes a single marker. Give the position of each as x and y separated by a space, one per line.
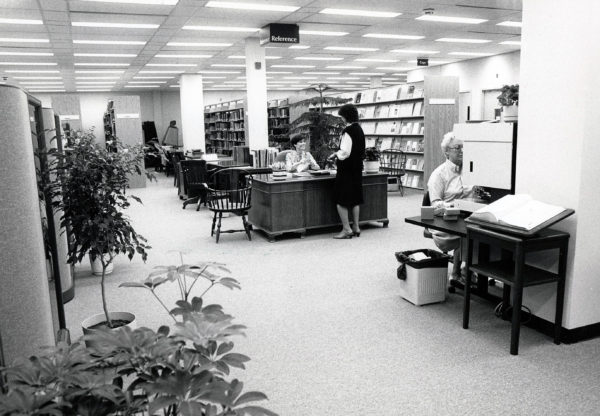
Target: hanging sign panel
277 33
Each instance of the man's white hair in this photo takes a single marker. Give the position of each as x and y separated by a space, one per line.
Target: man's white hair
448 137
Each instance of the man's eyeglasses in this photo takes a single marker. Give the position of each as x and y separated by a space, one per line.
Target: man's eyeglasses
456 148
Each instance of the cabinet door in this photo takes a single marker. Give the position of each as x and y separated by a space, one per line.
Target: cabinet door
487 164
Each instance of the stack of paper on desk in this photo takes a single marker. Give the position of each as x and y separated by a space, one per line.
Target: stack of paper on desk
519 211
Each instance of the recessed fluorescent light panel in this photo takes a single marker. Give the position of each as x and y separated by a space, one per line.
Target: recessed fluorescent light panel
450 19
24 40
30 71
101 83
2 53
292 66
156 2
93 90
107 42
78 78
116 25
415 51
184 56
41 82
20 22
181 65
462 40
392 36
35 77
510 24
345 67
199 44
393 68
222 28
147 82
99 71
99 64
317 58
299 47
251 6
217 72
38 90
322 33
29 63
105 55
153 77
367 74
375 60
511 42
229 65
469 53
175 71
321 73
350 48
362 13
142 86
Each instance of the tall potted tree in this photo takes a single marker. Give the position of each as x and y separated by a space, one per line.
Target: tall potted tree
92 182
319 128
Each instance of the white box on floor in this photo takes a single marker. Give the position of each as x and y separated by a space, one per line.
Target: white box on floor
426 280
423 286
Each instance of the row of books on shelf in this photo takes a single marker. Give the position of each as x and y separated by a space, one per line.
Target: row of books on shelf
279 112
393 127
410 109
225 115
396 92
264 158
384 143
277 122
413 180
227 135
278 103
415 163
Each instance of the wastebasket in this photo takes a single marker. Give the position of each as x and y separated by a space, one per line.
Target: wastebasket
423 281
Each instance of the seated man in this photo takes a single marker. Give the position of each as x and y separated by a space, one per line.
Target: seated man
444 186
300 160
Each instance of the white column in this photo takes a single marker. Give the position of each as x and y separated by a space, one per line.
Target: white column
257 127
375 82
192 111
25 314
558 148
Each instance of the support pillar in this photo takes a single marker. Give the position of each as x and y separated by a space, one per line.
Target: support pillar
26 323
192 111
257 122
558 147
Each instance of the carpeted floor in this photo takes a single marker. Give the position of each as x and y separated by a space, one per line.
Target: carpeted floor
328 333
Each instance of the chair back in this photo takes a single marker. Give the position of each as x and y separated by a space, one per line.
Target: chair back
230 190
393 162
194 171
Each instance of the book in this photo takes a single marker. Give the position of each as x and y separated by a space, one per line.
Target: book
417 108
369 112
520 211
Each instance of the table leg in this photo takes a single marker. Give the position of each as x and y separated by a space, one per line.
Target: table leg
517 301
483 256
560 291
467 294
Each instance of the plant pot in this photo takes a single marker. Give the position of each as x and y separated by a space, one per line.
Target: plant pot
93 320
97 267
510 112
371 166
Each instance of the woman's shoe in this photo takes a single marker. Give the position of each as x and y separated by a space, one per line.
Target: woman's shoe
343 235
356 233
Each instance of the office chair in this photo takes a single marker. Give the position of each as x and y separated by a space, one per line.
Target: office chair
393 162
229 191
176 157
195 178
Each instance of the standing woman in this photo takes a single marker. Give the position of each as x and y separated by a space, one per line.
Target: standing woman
348 181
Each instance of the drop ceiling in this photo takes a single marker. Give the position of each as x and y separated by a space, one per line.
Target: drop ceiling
143 57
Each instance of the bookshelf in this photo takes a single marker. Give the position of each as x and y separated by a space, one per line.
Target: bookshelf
403 117
279 122
225 126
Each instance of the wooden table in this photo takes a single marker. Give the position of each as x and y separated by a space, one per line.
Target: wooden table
303 203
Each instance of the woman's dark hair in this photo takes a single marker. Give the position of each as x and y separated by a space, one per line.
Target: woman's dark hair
349 112
296 139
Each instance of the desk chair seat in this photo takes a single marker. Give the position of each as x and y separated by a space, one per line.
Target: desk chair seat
230 191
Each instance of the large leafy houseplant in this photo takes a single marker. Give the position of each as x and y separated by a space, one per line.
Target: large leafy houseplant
182 371
89 185
509 95
320 129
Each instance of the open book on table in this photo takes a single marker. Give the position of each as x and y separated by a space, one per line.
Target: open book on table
518 211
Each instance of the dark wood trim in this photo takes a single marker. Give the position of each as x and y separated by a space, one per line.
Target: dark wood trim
568 336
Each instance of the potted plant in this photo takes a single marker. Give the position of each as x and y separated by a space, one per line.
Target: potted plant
179 371
320 129
91 184
509 99
372 157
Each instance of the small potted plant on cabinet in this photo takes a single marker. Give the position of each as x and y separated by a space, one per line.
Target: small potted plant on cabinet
372 157
92 184
509 99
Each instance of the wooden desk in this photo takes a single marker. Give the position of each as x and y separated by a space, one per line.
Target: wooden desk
303 203
513 272
457 227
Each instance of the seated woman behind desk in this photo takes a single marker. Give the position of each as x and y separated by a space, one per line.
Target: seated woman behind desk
300 160
444 186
